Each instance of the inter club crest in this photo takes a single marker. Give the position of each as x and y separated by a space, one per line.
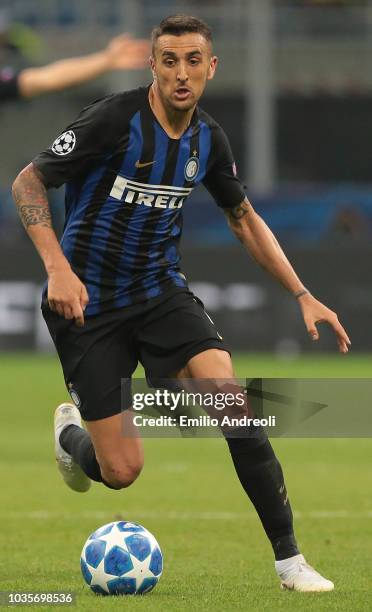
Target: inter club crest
192 168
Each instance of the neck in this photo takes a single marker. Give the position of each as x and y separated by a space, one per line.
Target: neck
174 122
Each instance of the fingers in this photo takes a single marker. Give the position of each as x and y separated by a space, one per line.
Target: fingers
72 308
84 297
127 52
313 332
343 339
121 38
78 314
68 311
68 296
80 306
128 40
56 306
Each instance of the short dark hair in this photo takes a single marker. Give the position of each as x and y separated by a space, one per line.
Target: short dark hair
176 25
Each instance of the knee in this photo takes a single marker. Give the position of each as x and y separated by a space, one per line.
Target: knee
120 475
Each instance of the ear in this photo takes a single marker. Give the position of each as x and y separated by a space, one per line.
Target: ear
212 67
152 66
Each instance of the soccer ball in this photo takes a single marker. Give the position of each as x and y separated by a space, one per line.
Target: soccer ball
121 558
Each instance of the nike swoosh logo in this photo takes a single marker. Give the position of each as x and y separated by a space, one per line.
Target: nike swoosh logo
138 164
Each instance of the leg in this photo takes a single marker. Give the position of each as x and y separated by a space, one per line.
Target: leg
261 476
95 358
186 341
255 462
110 451
212 363
118 449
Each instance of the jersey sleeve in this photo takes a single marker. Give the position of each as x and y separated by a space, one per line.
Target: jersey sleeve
221 179
9 89
81 145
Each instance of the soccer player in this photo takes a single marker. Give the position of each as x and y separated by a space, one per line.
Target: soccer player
122 53
115 292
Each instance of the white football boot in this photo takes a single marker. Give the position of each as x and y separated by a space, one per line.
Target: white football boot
73 475
297 575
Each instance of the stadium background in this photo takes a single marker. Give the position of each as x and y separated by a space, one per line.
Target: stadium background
294 93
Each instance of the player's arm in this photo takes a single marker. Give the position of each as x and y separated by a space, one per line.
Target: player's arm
122 53
9 88
258 239
66 293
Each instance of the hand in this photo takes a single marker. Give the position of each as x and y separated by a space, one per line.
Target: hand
314 312
67 295
127 53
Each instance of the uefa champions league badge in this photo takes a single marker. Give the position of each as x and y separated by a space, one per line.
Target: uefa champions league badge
65 143
192 168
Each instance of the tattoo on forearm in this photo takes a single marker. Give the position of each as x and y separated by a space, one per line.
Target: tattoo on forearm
239 211
35 215
31 199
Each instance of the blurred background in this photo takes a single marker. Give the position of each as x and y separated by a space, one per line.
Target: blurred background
293 91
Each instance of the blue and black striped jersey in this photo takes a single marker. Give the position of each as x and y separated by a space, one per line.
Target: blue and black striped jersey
126 182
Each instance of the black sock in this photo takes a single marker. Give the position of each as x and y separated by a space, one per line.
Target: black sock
261 476
76 441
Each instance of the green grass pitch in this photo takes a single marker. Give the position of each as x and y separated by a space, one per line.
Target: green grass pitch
216 555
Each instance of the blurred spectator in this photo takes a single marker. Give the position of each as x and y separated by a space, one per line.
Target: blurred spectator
123 52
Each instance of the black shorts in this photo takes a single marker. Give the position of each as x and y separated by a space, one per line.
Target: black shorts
162 333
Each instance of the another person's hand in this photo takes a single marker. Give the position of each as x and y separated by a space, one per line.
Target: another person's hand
315 312
67 295
124 52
